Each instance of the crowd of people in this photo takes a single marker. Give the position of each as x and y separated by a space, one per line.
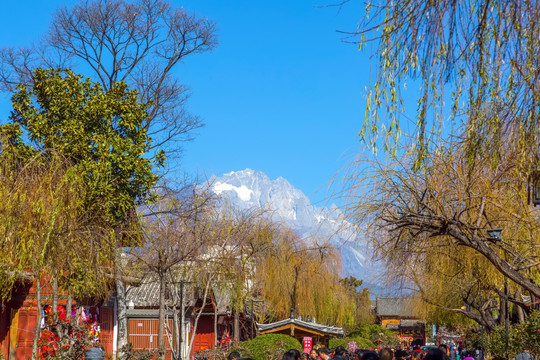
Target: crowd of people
442 352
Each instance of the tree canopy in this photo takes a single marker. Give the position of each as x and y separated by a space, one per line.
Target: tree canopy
471 65
430 227
100 132
138 42
472 68
75 167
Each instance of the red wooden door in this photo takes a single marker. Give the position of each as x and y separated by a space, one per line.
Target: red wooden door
143 335
26 329
204 334
106 322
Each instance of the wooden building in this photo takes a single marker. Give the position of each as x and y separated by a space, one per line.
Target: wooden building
18 319
398 315
143 318
321 334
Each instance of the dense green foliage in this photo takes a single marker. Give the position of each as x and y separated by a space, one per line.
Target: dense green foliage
269 346
73 165
100 132
526 334
360 342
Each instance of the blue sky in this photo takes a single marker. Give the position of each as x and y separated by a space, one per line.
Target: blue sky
282 93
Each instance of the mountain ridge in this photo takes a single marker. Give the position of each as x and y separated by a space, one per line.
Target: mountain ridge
248 189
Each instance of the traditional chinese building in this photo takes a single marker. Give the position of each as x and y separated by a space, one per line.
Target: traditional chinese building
398 315
321 334
18 319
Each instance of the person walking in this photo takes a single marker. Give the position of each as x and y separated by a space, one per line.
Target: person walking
524 355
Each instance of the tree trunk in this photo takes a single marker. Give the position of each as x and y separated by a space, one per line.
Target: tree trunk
54 303
161 325
236 325
182 320
519 310
502 310
176 351
217 304
69 304
478 244
196 322
37 330
69 300
121 317
294 292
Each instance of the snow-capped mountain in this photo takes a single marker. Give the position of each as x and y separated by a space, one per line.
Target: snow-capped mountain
248 189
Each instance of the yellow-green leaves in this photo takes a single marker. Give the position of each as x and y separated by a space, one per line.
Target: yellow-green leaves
74 163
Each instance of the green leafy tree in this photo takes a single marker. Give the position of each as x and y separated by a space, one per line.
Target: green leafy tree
351 282
100 134
140 42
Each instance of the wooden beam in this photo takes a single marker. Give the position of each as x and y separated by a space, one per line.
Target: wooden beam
292 327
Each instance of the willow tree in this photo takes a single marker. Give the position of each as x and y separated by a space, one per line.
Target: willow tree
430 226
304 280
46 233
246 237
101 134
472 66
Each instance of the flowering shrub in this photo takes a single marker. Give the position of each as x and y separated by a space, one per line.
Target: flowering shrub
62 339
352 343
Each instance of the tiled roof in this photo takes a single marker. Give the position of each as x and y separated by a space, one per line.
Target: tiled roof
334 330
147 294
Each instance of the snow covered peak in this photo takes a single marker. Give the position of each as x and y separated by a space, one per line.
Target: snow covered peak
254 189
249 189
243 192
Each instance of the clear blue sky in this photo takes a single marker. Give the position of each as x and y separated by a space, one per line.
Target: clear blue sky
281 93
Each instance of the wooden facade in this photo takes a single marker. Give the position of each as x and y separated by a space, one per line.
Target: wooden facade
321 334
143 335
18 318
398 315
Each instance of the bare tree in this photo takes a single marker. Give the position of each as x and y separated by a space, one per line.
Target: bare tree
173 233
140 42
